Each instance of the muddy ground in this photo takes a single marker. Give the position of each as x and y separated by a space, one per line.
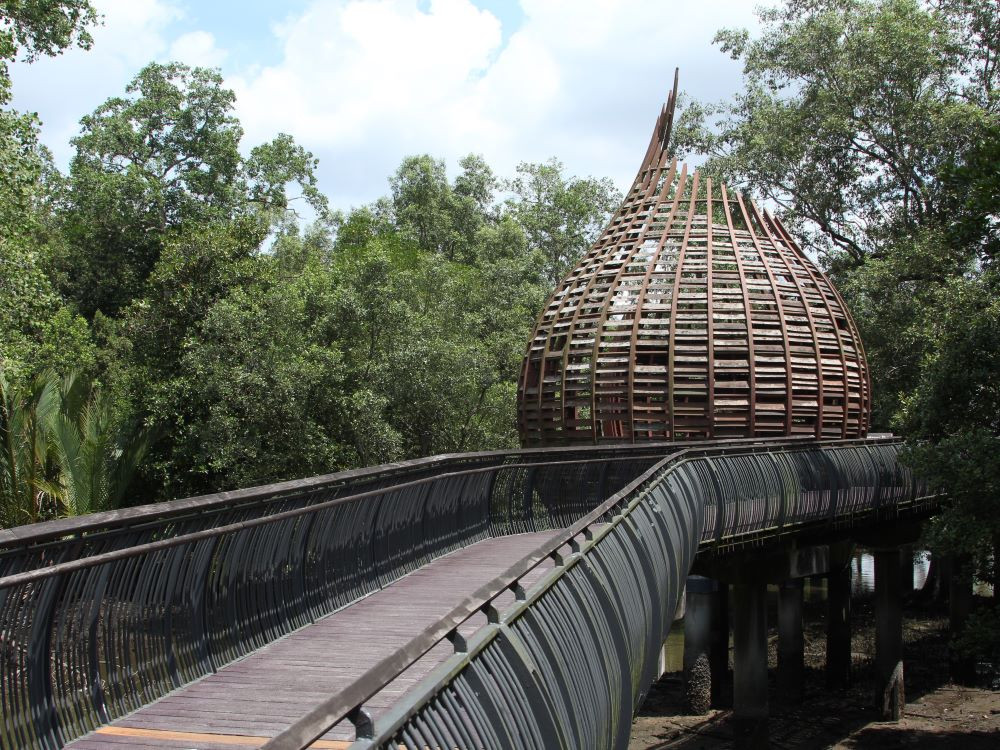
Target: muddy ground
938 714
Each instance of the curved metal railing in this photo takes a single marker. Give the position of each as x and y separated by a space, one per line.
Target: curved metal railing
103 614
568 664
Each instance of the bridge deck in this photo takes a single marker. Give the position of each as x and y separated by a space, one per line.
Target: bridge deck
256 697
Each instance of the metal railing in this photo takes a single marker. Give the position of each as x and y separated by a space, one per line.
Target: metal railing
102 614
568 664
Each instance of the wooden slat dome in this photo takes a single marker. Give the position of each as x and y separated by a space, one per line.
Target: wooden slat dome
694 315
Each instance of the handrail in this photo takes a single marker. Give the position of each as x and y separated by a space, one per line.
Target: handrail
339 706
518 681
349 702
45 530
217 531
100 615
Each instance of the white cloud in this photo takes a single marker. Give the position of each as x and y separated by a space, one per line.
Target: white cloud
197 48
365 82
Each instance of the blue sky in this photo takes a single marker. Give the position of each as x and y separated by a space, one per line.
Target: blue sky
363 83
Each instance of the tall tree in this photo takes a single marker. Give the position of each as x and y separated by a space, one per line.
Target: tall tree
561 216
164 155
36 329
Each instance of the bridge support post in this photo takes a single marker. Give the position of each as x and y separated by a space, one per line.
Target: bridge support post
697 644
838 624
890 696
791 644
718 655
962 668
750 669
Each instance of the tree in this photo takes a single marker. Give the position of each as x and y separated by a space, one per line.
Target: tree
163 156
442 217
143 349
24 454
63 449
850 110
96 452
32 28
37 331
561 216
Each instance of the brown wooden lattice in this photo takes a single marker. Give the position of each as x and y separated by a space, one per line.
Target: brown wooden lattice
626 350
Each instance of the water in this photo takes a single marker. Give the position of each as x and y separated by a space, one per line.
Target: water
863 573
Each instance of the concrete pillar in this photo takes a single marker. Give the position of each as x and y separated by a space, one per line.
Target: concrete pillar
890 696
962 668
718 655
697 644
750 666
791 644
838 627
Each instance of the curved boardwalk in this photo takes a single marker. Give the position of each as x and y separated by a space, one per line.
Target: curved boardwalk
251 700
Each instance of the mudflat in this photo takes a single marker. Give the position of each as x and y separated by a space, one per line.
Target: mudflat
938 715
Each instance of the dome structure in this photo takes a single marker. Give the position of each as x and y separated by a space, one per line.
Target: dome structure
694 315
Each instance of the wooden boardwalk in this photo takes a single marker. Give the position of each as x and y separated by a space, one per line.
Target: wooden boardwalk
253 699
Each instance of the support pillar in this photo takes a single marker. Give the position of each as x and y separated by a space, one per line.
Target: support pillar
718 655
791 644
890 696
697 644
962 668
838 627
750 668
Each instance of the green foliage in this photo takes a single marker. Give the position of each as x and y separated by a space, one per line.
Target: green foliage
441 217
37 330
850 111
41 27
169 265
163 157
955 411
24 449
64 449
96 453
561 217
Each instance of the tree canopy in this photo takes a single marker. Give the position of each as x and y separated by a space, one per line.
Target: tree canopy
171 328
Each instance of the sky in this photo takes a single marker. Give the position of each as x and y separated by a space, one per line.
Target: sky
364 83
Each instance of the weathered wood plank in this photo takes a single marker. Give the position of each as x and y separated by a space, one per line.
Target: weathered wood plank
253 699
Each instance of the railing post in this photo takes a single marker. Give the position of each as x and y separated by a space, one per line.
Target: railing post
199 608
94 664
528 499
40 693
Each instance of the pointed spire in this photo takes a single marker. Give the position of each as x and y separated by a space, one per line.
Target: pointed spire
667 115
